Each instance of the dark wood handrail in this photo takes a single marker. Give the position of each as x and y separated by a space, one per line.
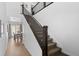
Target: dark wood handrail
35 5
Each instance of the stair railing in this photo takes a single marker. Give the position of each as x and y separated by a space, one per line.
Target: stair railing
40 32
39 6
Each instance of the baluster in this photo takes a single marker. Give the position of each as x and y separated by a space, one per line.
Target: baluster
44 4
22 8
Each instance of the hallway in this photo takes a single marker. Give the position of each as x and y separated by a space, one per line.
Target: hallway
16 49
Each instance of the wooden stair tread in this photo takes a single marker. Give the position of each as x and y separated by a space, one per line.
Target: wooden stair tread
54 51
50 40
51 44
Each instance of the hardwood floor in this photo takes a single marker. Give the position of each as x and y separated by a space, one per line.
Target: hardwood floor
16 48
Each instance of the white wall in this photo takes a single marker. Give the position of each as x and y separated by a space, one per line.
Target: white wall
63 25
13 8
30 42
3 39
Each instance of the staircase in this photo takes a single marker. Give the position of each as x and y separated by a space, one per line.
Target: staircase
53 50
49 48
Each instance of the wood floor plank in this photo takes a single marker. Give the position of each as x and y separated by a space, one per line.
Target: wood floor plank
16 49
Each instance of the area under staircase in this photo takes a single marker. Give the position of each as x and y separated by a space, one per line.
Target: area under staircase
48 46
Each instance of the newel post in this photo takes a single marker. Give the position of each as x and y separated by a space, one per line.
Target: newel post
45 35
22 8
